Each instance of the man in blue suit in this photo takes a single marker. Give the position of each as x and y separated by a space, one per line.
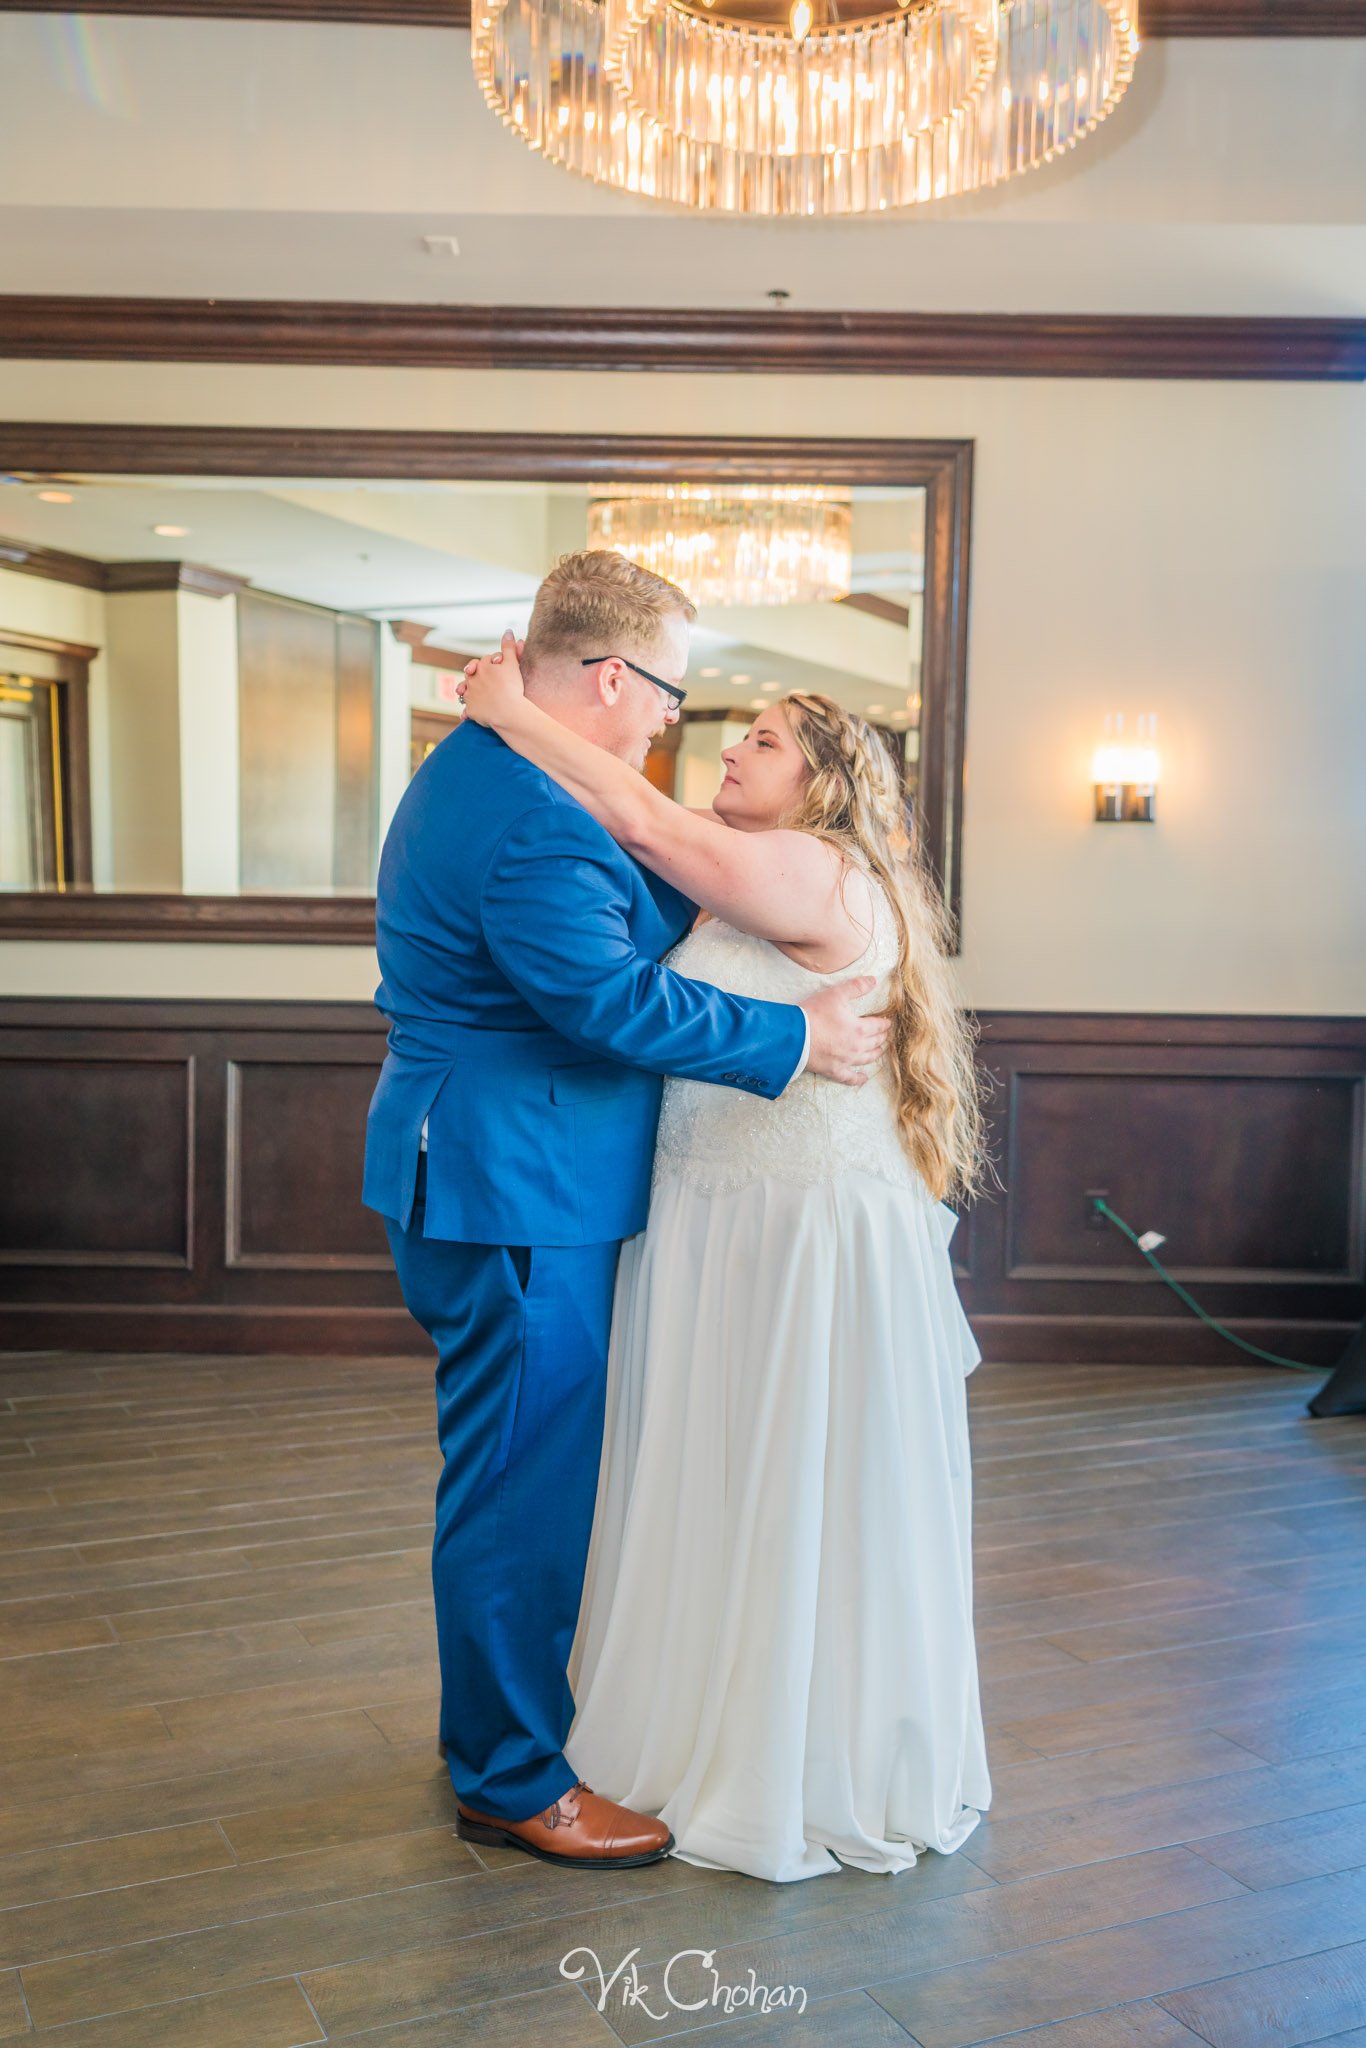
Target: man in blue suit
509 1149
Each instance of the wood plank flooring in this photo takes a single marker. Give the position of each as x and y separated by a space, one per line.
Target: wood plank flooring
224 1824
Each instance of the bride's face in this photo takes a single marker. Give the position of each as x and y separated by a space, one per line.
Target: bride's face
765 775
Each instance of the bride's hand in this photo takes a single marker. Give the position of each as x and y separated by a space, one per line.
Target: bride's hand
493 686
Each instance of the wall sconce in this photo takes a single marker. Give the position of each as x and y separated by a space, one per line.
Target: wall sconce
1126 772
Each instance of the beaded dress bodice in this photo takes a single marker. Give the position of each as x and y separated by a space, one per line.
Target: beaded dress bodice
720 1139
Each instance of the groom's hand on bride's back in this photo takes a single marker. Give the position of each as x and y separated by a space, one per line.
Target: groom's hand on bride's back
844 1045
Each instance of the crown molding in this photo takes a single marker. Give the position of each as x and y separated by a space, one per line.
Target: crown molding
194 576
413 635
116 578
283 331
883 608
378 13
54 565
1157 18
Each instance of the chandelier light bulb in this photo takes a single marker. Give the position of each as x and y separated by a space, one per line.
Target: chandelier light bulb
742 544
800 20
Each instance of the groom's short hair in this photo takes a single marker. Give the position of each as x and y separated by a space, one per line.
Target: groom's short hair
598 602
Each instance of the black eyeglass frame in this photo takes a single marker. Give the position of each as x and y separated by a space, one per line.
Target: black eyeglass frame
671 690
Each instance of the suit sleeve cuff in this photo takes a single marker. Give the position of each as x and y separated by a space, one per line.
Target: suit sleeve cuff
800 1067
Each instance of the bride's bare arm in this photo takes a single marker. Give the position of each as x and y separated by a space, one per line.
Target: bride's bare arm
779 885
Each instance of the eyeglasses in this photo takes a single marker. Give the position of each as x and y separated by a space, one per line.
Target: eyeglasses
671 690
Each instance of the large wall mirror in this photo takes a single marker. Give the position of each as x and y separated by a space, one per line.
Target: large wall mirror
215 687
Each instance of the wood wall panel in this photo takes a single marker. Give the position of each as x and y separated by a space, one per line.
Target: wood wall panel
97 1156
296 1142
1239 1137
1245 1174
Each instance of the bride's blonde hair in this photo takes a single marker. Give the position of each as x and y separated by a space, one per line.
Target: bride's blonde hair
853 800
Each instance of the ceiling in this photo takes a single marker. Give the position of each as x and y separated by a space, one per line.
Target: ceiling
300 160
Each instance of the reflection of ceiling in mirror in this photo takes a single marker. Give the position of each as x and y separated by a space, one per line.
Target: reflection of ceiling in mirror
464 559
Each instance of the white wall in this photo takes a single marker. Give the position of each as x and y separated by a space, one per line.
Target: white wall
203 972
1194 549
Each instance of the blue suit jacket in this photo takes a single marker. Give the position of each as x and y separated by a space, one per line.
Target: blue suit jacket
530 1019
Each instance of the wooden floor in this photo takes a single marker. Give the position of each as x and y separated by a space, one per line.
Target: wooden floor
224 1824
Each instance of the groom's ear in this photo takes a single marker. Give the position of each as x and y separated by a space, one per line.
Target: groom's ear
610 679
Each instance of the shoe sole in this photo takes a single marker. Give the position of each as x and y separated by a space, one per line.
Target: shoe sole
499 1838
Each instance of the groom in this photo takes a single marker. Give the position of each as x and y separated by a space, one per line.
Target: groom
509 1149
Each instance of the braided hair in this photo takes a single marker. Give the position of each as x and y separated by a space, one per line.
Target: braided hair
853 800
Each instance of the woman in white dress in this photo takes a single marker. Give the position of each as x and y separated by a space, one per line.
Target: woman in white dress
775 1648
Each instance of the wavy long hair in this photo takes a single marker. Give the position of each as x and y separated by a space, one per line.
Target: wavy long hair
853 800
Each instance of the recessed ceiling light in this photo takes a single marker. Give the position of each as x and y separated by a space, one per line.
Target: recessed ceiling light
709 671
876 710
769 688
758 703
56 497
740 681
171 532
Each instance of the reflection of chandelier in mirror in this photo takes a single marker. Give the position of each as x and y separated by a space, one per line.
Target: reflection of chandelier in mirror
733 544
802 106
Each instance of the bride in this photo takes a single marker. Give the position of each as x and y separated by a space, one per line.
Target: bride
775 1648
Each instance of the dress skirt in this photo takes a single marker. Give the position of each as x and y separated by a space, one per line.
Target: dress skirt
775 1648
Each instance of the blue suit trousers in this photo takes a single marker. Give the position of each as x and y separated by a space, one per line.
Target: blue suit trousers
521 1334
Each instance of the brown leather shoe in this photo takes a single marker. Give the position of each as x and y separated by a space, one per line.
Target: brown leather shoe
580 1830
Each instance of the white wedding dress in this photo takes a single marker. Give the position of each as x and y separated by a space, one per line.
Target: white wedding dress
775 1649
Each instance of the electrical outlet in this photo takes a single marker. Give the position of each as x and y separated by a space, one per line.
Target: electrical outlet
1094 1219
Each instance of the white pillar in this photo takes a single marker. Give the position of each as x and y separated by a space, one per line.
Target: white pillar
209 753
144 739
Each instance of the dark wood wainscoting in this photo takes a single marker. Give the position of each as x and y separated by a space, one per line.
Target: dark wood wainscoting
1239 1138
183 1176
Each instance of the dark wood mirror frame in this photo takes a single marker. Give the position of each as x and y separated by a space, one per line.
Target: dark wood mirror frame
942 469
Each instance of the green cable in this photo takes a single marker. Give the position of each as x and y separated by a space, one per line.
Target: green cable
1295 1364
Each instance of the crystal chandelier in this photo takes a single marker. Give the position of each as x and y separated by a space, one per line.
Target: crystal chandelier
738 544
822 107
